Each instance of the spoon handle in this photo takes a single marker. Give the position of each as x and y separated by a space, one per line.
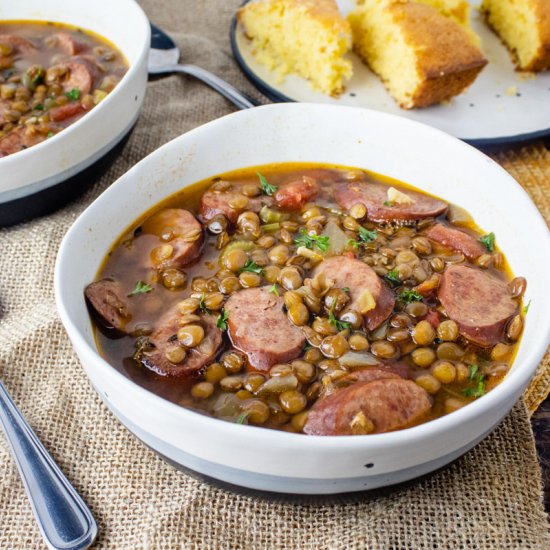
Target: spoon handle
231 93
64 519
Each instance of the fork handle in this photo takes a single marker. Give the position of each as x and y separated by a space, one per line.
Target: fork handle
241 100
65 521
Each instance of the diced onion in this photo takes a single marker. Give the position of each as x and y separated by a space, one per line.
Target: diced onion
397 197
358 359
365 301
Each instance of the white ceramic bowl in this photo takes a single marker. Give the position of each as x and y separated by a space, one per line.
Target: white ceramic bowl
293 463
87 140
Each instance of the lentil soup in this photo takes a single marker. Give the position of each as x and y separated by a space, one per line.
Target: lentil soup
50 76
313 299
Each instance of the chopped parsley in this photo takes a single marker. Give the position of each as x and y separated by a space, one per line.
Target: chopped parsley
366 236
202 305
387 203
274 290
346 289
393 278
39 107
478 379
488 241
410 295
353 243
221 321
267 188
140 288
309 241
526 307
242 418
253 267
74 94
50 134
38 75
340 325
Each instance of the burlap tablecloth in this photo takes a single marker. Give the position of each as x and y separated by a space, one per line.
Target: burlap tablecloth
490 498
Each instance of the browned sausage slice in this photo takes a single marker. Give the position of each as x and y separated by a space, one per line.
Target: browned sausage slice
68 44
478 302
455 240
258 326
359 277
216 201
63 112
181 230
19 139
105 297
388 403
164 337
294 194
80 75
20 45
374 196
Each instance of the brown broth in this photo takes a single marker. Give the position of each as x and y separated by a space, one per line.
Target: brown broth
125 263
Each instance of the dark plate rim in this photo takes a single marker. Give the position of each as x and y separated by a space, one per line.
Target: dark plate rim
277 97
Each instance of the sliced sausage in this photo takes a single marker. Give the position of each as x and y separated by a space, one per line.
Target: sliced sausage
63 112
374 196
68 44
389 403
18 140
164 336
106 299
478 302
181 230
294 194
20 45
456 240
216 201
80 75
258 326
358 277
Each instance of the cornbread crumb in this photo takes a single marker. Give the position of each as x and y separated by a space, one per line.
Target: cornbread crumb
511 90
524 27
307 37
422 57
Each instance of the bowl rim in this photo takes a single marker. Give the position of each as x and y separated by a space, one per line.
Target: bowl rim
504 394
66 133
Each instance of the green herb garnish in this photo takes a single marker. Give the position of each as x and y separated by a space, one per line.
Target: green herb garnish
478 389
340 325
50 134
140 288
393 278
387 203
221 321
274 290
488 241
242 418
202 305
309 241
253 267
39 107
367 236
267 188
346 289
409 295
526 307
353 243
38 75
74 94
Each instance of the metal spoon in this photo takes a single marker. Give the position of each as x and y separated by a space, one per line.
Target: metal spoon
164 56
64 520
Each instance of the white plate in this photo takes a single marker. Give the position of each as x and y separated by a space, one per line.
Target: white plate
501 106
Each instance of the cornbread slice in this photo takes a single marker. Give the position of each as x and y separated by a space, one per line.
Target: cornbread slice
524 26
422 56
307 37
459 10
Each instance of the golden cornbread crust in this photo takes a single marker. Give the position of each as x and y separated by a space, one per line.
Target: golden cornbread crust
447 61
541 60
306 37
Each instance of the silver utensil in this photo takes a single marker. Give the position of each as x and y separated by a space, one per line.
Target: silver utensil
164 56
64 520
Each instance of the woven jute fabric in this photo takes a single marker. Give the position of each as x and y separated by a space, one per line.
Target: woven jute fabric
490 498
